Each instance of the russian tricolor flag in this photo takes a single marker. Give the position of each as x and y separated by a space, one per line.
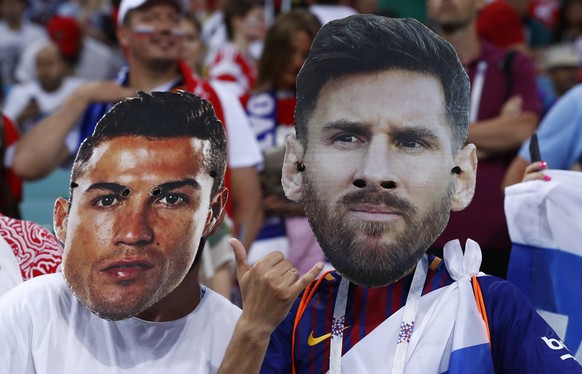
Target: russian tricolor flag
545 225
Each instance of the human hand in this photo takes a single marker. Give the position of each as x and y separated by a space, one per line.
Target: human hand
269 288
30 111
534 172
512 107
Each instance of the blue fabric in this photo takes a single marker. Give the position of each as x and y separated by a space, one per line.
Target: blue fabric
463 361
560 132
547 277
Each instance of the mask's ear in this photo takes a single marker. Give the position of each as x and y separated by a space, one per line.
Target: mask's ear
466 160
293 167
215 213
60 217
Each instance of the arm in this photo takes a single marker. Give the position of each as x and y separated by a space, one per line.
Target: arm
559 137
268 289
43 148
247 203
518 117
521 341
502 134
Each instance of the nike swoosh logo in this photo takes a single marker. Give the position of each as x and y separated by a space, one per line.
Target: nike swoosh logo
314 341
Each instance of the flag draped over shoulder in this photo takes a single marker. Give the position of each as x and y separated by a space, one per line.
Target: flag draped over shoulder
448 334
545 226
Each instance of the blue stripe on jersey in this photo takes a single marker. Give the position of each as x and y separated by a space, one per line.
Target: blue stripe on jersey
367 308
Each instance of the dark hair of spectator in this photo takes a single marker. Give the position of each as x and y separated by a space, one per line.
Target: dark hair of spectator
237 8
278 48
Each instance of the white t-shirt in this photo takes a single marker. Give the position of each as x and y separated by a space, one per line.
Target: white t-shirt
21 94
45 329
9 269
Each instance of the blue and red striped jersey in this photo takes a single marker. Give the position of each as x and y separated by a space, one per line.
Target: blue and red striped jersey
522 342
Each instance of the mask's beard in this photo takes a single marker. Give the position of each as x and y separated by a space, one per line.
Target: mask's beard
356 248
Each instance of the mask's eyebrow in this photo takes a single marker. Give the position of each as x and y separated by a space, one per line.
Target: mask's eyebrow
116 188
346 126
169 186
417 132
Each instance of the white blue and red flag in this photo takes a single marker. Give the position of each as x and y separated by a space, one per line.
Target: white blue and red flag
545 225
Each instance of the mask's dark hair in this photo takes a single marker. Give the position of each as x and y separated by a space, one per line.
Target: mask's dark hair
161 115
367 43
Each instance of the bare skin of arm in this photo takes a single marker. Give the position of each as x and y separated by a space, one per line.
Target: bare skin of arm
505 132
247 203
43 148
501 134
269 289
515 172
222 280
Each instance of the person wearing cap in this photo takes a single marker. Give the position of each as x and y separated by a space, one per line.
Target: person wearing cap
149 31
560 70
128 299
563 67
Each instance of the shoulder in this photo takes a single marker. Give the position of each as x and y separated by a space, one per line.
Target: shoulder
521 341
221 308
573 96
38 251
35 296
35 30
567 112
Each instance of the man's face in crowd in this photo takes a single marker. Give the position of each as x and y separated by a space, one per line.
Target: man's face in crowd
564 78
12 10
377 186
135 222
152 33
453 15
51 68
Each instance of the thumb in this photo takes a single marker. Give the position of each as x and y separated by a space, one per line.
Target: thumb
240 254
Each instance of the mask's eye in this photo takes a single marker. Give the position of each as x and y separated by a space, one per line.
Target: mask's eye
106 201
173 200
408 143
346 138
